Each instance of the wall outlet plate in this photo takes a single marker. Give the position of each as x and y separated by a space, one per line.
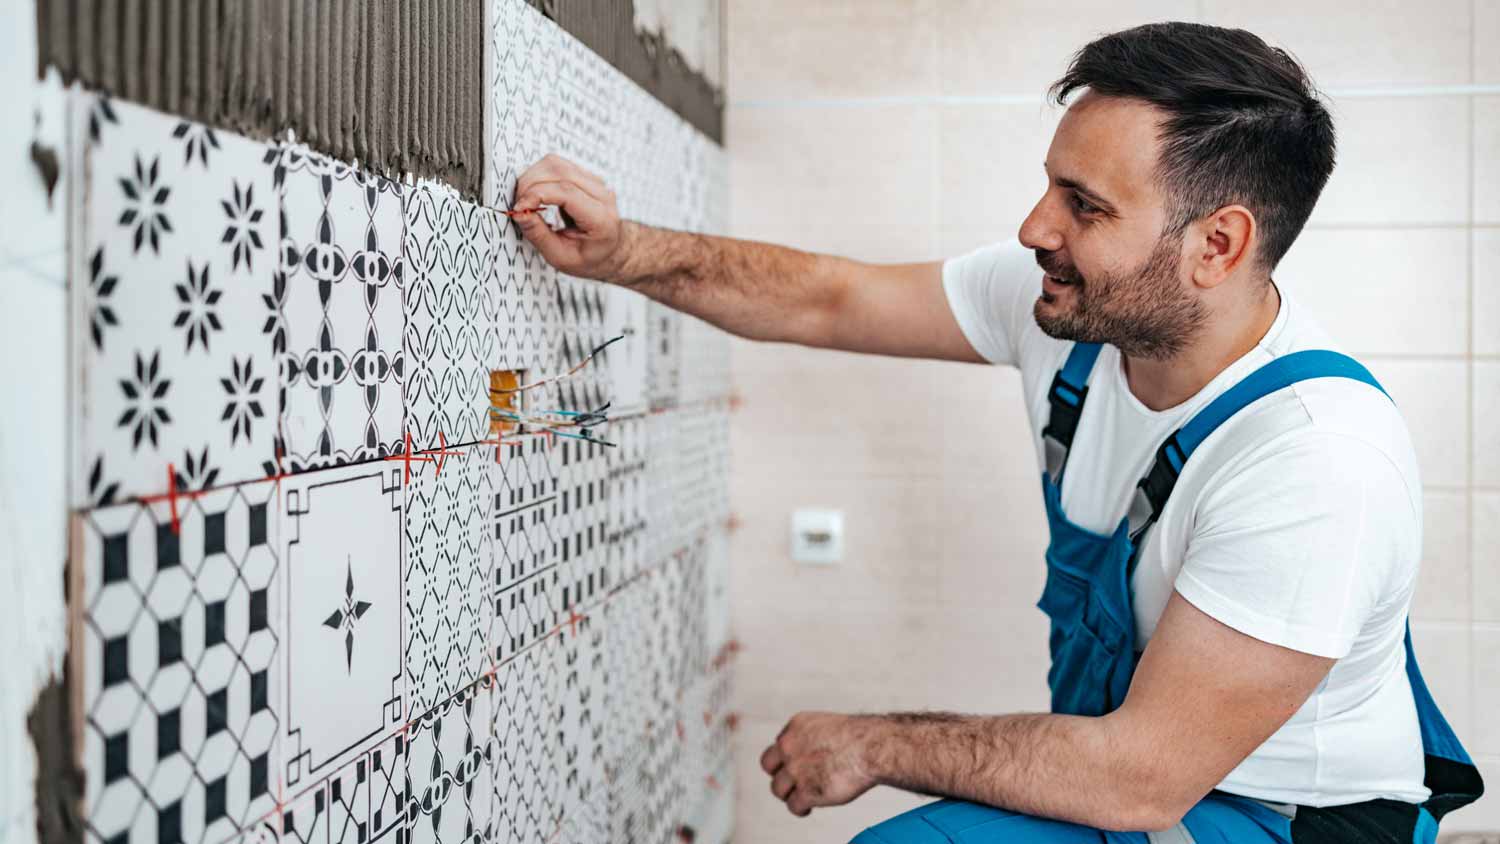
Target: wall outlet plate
818 536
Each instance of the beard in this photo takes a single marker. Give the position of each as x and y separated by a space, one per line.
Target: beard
1144 313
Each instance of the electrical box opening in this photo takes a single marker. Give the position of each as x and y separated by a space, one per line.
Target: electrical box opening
506 402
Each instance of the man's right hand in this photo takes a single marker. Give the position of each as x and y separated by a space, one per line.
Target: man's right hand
594 243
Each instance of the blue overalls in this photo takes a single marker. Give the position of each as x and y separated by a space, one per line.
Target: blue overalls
1093 643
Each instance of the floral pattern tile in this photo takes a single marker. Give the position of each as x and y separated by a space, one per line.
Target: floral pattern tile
178 380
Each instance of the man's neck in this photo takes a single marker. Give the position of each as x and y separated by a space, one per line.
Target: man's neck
1163 383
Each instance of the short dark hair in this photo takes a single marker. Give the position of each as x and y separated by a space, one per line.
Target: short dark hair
1244 123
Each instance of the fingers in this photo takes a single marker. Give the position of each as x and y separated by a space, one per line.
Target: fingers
588 213
782 784
772 759
797 804
555 168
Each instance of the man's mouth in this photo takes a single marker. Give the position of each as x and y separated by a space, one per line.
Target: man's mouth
1051 283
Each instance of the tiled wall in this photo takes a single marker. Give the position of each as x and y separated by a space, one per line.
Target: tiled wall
232 361
894 130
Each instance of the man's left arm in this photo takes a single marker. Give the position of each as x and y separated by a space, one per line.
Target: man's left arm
1203 698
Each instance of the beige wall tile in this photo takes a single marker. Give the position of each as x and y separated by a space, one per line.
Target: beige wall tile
892 535
1445 584
1384 291
1445 655
1487 159
986 433
993 543
886 244
789 49
1400 160
991 160
1486 428
989 661
1486 45
1355 43
762 819
952 242
1485 739
838 657
831 166
1487 290
1428 392
813 411
991 47
1485 557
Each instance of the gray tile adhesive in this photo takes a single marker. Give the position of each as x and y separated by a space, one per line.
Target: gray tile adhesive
396 84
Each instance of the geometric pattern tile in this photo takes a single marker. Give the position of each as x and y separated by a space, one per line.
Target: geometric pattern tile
184 660
449 558
336 304
452 295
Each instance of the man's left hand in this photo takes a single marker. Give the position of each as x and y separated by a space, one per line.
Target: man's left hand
820 759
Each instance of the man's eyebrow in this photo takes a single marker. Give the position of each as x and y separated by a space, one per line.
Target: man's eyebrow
1085 191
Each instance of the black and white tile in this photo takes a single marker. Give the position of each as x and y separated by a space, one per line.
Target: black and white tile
451 769
452 293
448 562
583 688
335 311
525 579
183 666
178 241
343 618
526 784
581 527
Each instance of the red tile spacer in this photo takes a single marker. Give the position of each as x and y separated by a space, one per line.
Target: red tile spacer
172 497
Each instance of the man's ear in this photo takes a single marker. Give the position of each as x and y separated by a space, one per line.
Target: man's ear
1226 242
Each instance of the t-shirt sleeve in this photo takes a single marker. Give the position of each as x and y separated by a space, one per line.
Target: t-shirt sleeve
1297 546
990 291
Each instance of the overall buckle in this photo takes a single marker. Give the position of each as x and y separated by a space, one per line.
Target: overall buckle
1066 408
1152 491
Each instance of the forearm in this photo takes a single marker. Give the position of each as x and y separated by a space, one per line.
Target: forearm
1058 766
756 290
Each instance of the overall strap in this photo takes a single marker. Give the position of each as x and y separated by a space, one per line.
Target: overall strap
1153 490
1065 399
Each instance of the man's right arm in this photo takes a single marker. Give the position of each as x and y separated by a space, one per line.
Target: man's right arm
755 290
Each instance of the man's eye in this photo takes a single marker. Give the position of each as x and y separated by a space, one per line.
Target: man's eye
1082 205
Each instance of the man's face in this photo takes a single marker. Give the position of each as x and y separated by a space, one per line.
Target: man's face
1111 274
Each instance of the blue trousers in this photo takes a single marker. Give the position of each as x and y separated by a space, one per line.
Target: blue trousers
1215 820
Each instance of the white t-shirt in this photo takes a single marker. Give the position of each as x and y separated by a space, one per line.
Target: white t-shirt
1298 522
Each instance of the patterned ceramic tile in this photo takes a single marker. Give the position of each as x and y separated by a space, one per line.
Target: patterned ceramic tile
525 582
178 245
581 527
336 309
521 78
184 663
449 560
452 295
583 685
451 767
342 534
526 784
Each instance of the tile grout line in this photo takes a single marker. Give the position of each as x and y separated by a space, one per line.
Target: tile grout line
1474 611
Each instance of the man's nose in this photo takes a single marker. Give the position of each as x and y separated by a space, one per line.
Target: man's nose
1038 230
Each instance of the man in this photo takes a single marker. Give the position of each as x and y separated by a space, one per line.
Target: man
1235 509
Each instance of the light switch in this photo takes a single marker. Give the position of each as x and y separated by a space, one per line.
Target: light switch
818 536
